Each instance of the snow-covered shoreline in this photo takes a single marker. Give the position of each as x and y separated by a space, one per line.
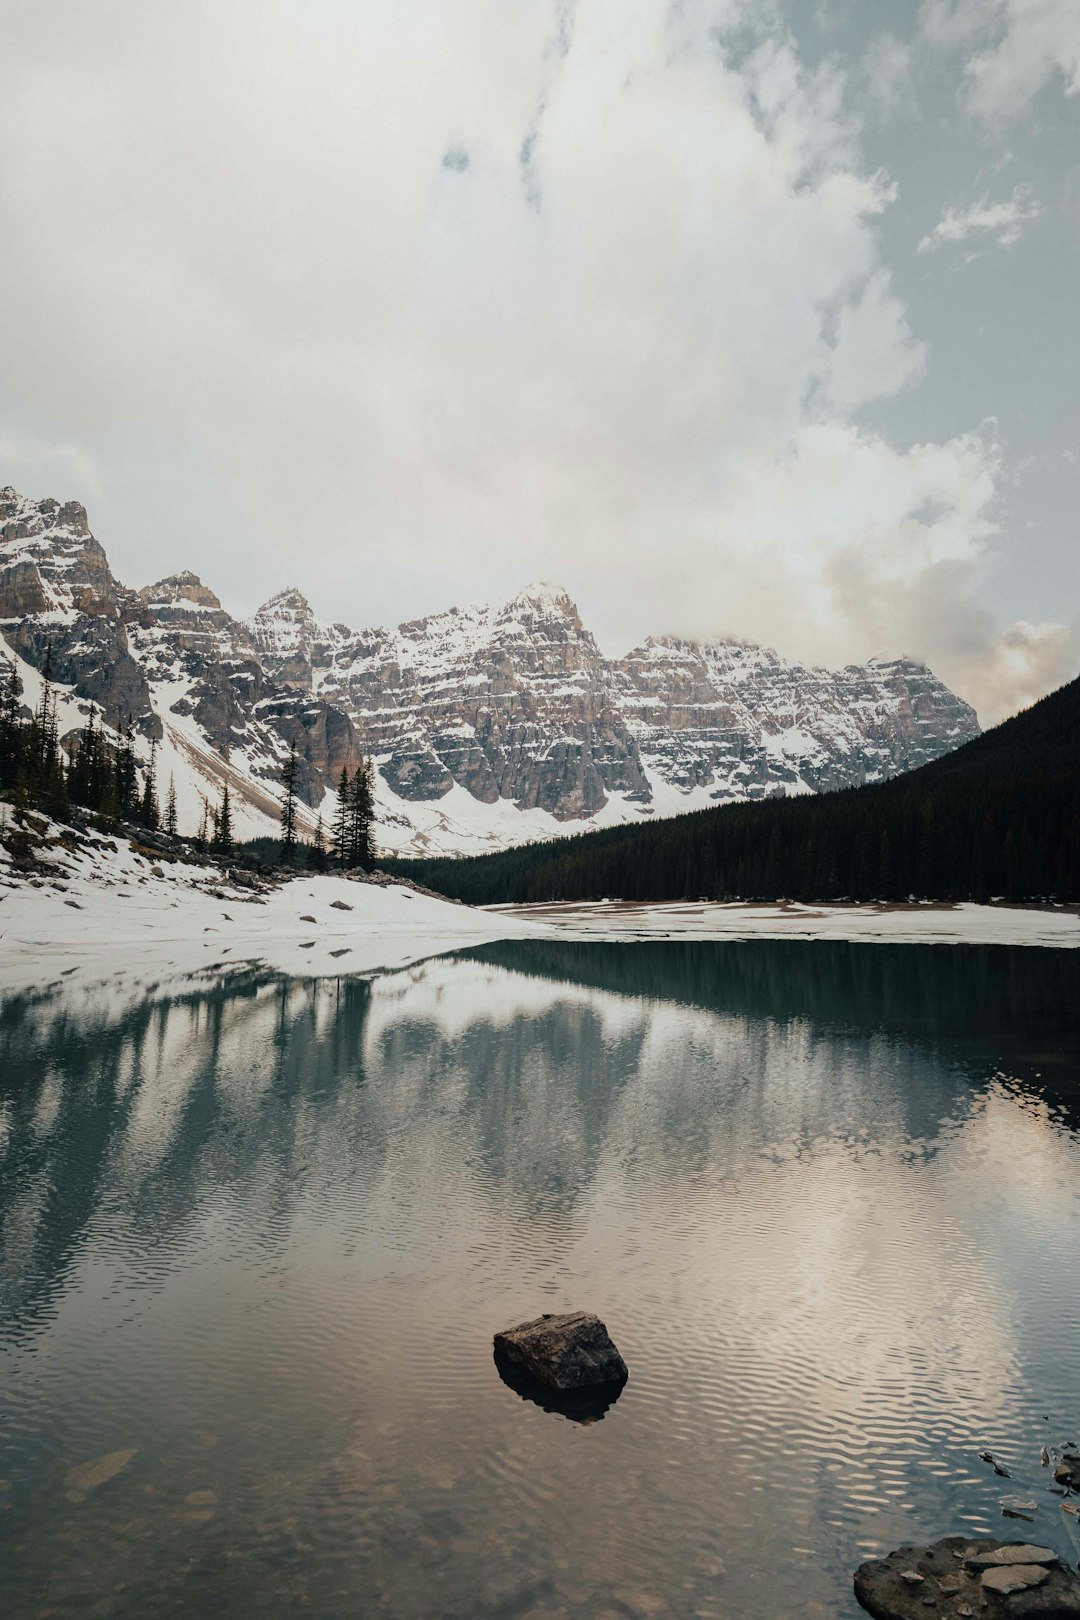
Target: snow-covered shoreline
914 924
104 908
99 907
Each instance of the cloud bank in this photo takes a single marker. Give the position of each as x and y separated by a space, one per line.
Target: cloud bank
452 295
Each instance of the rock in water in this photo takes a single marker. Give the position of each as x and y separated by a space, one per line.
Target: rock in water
573 1351
958 1576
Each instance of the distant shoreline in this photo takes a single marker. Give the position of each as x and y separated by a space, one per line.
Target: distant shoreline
895 922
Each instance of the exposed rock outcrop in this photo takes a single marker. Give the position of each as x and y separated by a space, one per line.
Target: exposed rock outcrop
515 701
964 1577
163 655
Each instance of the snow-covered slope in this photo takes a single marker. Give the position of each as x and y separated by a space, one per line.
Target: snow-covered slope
490 724
102 907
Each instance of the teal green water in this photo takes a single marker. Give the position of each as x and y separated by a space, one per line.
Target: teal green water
255 1237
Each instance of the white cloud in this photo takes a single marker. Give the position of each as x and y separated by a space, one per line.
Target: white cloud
1004 221
1017 48
620 339
888 67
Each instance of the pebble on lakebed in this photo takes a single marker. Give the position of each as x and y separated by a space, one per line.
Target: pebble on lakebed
572 1351
964 1577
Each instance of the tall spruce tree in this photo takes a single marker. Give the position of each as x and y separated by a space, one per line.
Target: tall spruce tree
170 811
288 809
341 819
223 825
317 858
148 810
10 722
361 814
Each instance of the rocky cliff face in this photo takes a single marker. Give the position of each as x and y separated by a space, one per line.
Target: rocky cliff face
514 704
169 656
490 724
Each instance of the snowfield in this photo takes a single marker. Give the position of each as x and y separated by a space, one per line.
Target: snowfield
915 924
96 905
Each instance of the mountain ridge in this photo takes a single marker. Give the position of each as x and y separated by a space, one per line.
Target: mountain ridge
996 819
491 723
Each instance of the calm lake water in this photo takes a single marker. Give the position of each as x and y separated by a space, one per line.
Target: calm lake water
256 1237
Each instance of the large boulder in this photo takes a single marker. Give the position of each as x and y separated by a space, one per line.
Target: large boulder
961 1576
573 1351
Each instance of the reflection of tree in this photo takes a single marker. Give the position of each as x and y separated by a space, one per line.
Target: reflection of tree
671 1058
1019 1004
74 1089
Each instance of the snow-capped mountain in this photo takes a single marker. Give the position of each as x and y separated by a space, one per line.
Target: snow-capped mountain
172 659
490 724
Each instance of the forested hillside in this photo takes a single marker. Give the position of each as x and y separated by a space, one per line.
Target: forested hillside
998 817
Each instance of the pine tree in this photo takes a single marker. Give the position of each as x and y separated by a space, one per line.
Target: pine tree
288 809
341 820
361 805
127 781
170 811
149 813
318 847
201 837
223 827
10 723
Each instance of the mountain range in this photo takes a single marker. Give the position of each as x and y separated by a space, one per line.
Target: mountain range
996 819
490 724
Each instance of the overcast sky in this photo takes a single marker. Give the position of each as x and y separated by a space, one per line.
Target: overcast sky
731 317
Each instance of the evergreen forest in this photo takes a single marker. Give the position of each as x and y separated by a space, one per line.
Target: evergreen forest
997 819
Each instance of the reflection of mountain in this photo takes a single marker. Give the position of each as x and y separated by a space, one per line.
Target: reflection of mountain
539 1060
263 1231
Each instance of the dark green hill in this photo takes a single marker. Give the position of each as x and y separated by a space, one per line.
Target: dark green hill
999 817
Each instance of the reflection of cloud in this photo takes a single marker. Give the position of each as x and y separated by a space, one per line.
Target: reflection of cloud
824 1253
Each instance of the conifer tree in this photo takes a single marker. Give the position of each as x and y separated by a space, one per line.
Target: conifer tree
341 819
288 809
127 782
223 827
170 810
318 846
201 837
361 846
10 722
149 813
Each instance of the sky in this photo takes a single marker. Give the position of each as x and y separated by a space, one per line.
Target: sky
733 317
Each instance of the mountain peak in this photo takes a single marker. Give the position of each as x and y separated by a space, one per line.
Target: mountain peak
291 600
542 591
178 588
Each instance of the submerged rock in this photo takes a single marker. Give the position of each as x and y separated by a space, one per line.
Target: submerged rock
568 1352
958 1576
89 1475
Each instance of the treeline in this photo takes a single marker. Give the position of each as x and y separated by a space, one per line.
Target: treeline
351 842
96 771
1000 817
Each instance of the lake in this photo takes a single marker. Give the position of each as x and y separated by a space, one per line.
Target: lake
257 1234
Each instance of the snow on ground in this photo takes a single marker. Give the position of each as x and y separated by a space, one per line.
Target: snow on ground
97 906
896 924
